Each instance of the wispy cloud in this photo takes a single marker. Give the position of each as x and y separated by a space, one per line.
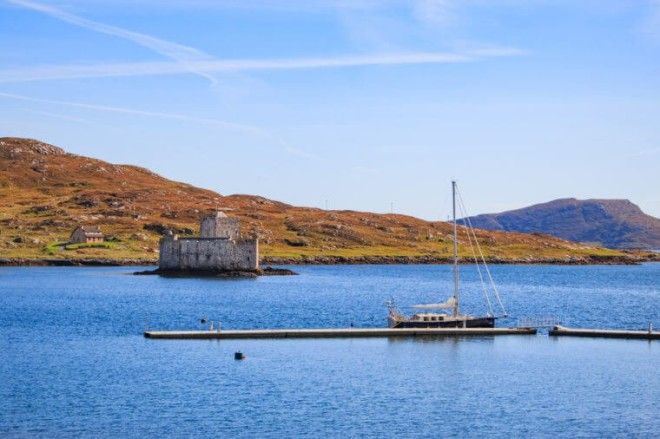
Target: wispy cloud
60 116
650 25
122 110
438 12
360 169
185 56
250 129
297 152
190 60
246 65
644 152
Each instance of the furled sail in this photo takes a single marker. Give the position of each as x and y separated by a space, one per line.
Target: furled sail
450 303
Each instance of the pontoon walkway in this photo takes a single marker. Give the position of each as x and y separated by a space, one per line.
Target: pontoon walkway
337 333
604 333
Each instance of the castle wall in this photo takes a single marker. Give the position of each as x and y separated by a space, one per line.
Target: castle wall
168 258
210 254
216 226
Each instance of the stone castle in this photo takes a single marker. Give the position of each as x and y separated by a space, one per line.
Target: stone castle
219 247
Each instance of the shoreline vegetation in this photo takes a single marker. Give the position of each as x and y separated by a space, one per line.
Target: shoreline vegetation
628 259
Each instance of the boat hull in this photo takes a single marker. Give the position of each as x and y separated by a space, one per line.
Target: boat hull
477 322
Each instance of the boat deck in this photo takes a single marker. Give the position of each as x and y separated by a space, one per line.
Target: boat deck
336 333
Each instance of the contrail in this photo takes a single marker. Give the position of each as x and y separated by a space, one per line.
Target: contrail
185 56
254 130
243 65
183 117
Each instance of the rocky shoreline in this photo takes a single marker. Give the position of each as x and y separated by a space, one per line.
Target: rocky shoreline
430 260
74 262
341 260
268 271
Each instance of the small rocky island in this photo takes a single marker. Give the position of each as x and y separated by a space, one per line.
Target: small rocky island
220 250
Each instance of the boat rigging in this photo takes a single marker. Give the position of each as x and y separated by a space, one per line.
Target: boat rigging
428 319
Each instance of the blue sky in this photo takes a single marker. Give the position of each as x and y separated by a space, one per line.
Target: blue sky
358 104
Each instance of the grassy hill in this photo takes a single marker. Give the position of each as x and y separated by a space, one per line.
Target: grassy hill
610 223
46 192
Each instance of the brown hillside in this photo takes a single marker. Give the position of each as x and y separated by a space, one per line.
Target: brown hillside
46 192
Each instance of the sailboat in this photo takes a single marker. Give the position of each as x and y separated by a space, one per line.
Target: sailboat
429 317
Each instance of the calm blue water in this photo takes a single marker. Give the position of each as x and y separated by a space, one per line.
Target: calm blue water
74 362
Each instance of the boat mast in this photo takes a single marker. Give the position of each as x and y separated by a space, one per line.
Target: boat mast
456 291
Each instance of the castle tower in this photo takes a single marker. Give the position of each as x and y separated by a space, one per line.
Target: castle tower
219 225
219 248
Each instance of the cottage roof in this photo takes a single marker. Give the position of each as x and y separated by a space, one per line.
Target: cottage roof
91 231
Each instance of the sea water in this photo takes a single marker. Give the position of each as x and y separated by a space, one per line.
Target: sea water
73 361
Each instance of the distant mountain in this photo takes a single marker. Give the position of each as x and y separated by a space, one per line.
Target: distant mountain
610 223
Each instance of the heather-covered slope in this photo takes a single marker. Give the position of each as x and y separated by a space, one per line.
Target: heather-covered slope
610 223
46 192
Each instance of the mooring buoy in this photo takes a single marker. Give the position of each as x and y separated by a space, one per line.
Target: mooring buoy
239 356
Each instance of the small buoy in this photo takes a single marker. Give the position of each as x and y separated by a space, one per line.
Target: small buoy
202 321
239 356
